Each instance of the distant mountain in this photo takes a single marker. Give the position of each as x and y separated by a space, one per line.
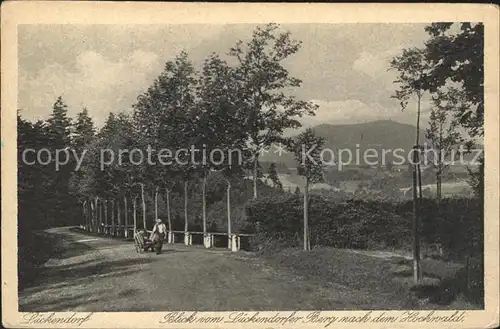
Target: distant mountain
378 135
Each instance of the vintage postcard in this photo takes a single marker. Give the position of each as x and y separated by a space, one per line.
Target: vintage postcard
198 165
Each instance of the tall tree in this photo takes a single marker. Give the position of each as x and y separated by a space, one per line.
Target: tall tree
59 138
83 131
442 133
105 172
306 149
165 116
220 126
212 93
59 125
456 53
458 57
34 179
83 137
262 80
412 70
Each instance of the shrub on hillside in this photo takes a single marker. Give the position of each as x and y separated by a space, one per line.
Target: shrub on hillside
276 214
457 226
349 224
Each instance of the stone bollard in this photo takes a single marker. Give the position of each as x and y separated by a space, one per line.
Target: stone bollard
170 237
207 240
187 239
235 242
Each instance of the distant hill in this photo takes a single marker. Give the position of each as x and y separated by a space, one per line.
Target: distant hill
378 135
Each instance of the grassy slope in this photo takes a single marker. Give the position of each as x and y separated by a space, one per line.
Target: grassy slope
372 282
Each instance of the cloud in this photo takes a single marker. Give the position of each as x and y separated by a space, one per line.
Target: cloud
105 67
376 65
98 83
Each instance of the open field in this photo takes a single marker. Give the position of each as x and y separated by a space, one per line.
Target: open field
447 189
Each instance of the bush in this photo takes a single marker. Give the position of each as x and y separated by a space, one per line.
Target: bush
457 225
275 215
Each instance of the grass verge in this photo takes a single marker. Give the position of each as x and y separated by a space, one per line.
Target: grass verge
382 283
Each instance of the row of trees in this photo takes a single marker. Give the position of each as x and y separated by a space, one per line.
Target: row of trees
242 107
245 106
450 68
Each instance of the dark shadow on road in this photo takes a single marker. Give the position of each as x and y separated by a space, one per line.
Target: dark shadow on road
35 249
62 251
74 275
62 304
59 304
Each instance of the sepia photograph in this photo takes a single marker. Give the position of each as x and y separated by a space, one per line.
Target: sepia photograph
271 173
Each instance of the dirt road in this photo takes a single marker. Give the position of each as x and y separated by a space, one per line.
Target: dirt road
98 274
102 274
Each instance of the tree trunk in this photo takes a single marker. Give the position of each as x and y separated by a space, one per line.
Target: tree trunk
255 176
156 202
416 220
92 214
134 205
89 214
204 200
169 219
106 227
185 206
420 194
113 225
440 165
419 176
84 206
438 188
96 223
308 236
417 137
229 212
306 219
416 199
143 207
101 216
126 215
118 217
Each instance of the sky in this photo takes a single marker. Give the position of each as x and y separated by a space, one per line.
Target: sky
343 67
